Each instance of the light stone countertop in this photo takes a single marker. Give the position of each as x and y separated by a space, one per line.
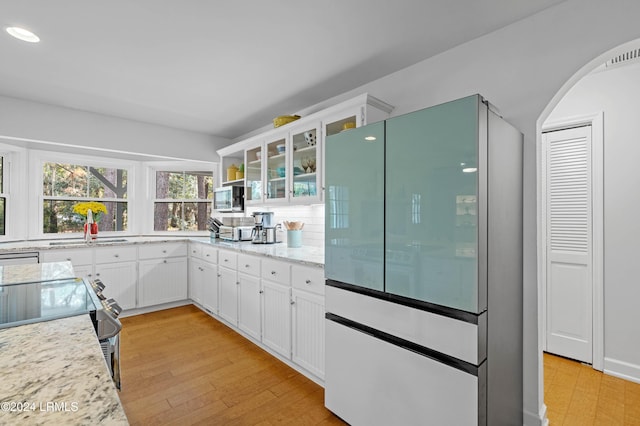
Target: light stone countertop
35 272
53 372
307 255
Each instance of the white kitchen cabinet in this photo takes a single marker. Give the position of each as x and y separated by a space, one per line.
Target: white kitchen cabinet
81 259
308 331
264 184
196 280
228 286
163 273
117 268
249 305
249 294
276 317
203 276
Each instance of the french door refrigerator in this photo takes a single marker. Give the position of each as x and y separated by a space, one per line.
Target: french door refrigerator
423 266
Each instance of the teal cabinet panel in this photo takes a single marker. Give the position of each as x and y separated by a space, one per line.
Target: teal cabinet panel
431 222
354 206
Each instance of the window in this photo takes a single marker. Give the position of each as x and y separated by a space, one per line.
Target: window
183 200
64 185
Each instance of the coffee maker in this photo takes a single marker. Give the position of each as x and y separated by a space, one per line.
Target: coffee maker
264 230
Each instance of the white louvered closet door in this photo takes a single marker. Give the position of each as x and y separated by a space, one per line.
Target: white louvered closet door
569 243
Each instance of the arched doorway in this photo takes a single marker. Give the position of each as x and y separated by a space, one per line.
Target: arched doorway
616 352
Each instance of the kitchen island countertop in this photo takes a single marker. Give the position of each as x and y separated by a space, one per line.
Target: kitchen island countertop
54 372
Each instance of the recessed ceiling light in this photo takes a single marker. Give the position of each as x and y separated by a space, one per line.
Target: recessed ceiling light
470 169
22 34
369 138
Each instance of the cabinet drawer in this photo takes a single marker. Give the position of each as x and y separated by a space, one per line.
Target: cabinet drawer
159 251
228 259
116 254
279 272
195 250
307 278
249 264
209 254
76 257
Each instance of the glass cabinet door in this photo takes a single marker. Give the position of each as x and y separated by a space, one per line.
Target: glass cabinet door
276 179
304 164
253 175
431 228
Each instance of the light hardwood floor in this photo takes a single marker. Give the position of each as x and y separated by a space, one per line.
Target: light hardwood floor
576 394
180 366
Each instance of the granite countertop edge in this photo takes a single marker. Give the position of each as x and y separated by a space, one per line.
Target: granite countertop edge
305 255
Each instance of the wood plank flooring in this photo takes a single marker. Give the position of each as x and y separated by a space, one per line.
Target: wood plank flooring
576 394
182 367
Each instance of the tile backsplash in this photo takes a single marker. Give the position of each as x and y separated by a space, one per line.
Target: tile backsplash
312 216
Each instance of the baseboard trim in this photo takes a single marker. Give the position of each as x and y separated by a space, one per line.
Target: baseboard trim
154 308
536 419
622 370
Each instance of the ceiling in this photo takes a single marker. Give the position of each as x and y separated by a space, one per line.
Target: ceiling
226 67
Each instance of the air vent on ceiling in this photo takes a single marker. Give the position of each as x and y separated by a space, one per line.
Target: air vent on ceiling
625 58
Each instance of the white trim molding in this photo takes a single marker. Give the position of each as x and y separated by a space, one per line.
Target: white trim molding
623 370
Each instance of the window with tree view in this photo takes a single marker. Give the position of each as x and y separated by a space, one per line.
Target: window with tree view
183 200
65 185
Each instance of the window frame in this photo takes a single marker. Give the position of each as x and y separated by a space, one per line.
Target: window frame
175 167
37 161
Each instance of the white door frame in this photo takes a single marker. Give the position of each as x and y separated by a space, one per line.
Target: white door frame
597 139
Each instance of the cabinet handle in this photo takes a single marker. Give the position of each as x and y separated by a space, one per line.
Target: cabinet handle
164 251
246 266
68 259
97 274
208 254
164 261
226 260
261 291
273 272
292 302
89 275
237 282
308 281
219 275
116 255
199 267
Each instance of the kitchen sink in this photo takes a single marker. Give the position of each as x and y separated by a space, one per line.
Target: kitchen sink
81 242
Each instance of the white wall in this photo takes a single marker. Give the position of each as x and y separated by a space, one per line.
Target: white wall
59 125
617 94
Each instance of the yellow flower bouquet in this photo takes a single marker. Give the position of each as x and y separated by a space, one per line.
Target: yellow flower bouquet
98 209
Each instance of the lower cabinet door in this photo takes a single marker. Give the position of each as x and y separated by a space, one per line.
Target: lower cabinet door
308 331
228 295
196 280
249 305
120 282
370 381
162 281
276 317
209 286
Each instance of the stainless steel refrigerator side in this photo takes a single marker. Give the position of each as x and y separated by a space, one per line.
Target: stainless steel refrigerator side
504 284
482 200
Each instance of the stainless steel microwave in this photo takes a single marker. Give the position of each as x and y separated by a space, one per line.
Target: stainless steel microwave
228 199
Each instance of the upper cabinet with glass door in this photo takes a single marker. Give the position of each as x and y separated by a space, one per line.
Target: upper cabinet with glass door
285 165
253 174
306 163
276 169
